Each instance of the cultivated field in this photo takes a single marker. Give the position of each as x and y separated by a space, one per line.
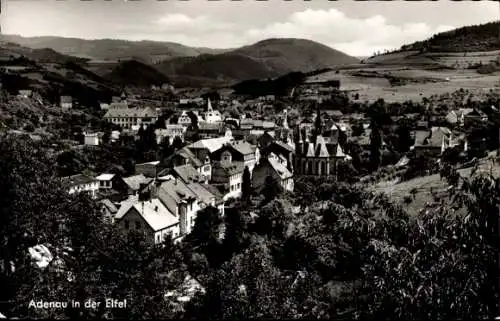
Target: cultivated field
421 75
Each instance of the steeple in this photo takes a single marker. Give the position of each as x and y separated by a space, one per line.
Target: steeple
285 119
318 124
209 105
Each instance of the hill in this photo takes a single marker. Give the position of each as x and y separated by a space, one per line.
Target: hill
10 50
265 59
132 72
51 74
483 37
110 49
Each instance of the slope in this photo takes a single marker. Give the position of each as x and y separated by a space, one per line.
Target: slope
484 37
135 73
110 49
266 59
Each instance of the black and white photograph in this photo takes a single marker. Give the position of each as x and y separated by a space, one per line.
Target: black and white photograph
231 160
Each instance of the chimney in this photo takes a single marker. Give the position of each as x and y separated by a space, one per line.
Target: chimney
156 208
182 218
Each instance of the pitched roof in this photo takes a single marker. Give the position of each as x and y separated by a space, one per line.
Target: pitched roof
188 173
155 213
280 169
321 150
214 190
431 138
105 177
78 179
202 194
130 112
117 105
212 144
109 205
186 153
66 99
134 182
243 147
230 168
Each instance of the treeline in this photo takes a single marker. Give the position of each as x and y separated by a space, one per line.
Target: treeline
280 86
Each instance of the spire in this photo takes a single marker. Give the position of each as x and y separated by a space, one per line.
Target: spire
209 105
318 130
285 119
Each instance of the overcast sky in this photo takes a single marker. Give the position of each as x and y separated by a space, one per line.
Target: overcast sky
357 28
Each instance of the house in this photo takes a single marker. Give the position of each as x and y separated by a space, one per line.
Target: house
149 169
274 167
108 209
455 117
475 115
228 175
81 183
209 130
211 144
91 139
185 156
184 119
26 93
105 181
240 151
135 184
282 150
66 102
434 141
128 117
151 217
187 173
208 196
171 131
180 201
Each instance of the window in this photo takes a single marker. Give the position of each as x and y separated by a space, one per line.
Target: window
137 225
127 224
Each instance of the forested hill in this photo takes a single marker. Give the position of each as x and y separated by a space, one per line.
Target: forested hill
485 37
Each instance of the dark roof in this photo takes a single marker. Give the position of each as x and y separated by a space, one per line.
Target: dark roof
230 168
134 182
78 179
188 173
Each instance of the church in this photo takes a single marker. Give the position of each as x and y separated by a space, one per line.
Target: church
211 116
317 149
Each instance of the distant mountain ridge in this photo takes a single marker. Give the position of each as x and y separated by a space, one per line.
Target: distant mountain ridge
111 49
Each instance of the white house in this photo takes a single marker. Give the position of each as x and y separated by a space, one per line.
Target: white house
149 217
81 183
105 181
91 139
66 102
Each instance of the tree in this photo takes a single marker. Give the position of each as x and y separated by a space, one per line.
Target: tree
404 138
246 184
177 143
375 148
271 189
205 236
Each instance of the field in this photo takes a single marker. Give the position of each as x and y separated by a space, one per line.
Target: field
421 75
425 186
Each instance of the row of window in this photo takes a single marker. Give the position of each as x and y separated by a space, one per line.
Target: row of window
235 187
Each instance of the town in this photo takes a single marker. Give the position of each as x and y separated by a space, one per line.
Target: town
278 180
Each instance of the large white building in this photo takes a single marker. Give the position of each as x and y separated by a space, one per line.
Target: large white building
129 117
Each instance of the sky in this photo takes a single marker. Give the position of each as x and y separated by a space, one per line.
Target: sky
356 28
